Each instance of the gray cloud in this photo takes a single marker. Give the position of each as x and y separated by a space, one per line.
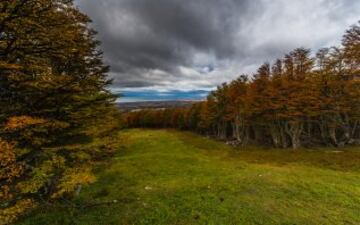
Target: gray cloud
179 44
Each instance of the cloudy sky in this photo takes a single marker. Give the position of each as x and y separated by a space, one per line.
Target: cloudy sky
187 45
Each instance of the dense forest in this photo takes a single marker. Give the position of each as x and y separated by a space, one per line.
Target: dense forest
299 100
52 93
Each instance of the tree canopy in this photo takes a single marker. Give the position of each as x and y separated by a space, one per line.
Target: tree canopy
299 100
52 90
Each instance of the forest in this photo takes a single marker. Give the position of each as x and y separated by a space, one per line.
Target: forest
299 100
59 122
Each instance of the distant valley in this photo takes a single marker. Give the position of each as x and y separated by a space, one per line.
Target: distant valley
133 106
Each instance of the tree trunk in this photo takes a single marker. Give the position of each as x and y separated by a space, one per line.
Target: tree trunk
332 135
275 135
294 130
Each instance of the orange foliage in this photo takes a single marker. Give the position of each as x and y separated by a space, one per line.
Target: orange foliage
10 214
297 101
19 122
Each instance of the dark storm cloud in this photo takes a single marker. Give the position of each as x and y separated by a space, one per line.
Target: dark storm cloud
201 43
143 35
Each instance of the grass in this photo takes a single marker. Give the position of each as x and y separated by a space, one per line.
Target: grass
169 177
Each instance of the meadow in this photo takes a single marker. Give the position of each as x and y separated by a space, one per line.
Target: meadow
167 177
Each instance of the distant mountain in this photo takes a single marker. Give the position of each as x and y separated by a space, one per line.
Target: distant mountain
154 95
132 106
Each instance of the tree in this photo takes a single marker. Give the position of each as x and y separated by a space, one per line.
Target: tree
351 44
52 89
238 109
297 101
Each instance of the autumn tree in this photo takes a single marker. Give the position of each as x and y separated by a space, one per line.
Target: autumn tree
299 100
53 88
238 109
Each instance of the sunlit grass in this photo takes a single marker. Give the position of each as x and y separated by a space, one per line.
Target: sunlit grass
171 177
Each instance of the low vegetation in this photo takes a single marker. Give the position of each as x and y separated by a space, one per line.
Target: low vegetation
172 177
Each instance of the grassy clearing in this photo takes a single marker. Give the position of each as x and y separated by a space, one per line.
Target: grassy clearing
169 177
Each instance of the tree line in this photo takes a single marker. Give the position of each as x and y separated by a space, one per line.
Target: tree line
299 100
53 100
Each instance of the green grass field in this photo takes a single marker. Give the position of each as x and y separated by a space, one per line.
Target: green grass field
171 177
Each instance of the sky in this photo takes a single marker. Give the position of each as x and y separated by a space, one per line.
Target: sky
183 48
